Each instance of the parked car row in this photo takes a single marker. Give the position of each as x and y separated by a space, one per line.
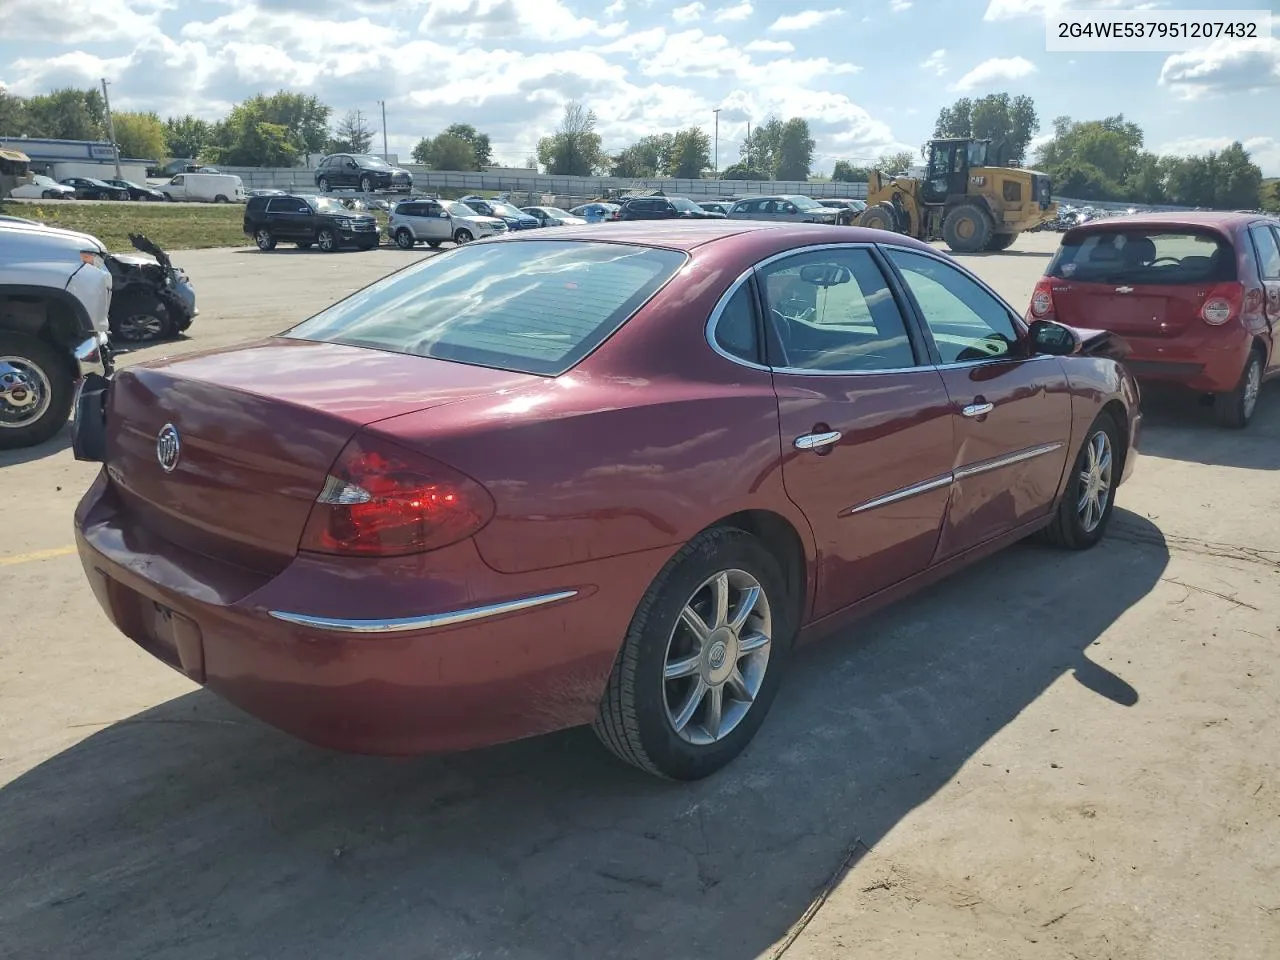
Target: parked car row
83 188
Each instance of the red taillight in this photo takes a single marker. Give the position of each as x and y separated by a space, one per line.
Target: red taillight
382 500
1223 302
1041 301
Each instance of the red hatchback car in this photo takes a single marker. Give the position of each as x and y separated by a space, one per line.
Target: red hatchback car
590 475
1195 296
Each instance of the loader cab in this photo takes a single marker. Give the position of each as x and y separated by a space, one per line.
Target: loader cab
947 174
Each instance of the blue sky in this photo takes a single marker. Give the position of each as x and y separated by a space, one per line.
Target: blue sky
870 75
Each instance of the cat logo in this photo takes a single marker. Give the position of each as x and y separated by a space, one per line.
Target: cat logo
977 181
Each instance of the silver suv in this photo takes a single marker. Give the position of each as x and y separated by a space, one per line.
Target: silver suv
435 221
787 208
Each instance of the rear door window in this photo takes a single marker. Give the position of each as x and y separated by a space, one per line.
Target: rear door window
1177 255
532 307
1264 241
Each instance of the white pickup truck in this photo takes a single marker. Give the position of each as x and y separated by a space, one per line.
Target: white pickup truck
55 293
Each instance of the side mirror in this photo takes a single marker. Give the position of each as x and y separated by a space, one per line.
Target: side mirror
1053 338
443 214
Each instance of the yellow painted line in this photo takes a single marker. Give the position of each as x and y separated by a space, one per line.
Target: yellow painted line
35 555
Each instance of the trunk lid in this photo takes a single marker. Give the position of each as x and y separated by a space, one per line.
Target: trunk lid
1138 281
257 429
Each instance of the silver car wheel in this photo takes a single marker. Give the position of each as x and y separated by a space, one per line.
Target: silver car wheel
140 326
25 392
1252 386
717 656
1095 482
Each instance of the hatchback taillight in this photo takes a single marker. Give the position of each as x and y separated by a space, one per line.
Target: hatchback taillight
382 500
1223 302
1041 307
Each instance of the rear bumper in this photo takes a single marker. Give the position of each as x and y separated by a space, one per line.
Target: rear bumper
398 657
1211 364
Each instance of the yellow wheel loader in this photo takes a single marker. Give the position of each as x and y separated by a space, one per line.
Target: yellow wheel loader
966 198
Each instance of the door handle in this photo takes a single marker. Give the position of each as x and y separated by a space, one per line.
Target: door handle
978 409
816 441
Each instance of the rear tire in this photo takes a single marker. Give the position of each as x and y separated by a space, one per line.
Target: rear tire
967 229
220 199
880 216
366 185
323 184
35 366
1234 410
665 675
404 239
1078 523
264 239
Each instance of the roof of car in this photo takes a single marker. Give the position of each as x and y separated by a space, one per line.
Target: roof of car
1220 219
689 234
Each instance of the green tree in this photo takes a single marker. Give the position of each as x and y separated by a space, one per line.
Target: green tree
894 164
67 114
1238 180
574 149
1146 180
690 154
186 137
740 171
140 135
1102 154
269 131
647 157
304 117
446 151
847 172
1008 122
795 150
480 145
351 134
13 115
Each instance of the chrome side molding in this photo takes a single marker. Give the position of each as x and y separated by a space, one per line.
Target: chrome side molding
426 621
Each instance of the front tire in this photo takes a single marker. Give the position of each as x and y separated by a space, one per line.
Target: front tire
137 318
702 658
1234 410
327 240
967 229
36 389
462 236
1001 241
1085 511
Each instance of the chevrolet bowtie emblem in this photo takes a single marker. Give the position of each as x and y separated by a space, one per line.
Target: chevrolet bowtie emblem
1124 289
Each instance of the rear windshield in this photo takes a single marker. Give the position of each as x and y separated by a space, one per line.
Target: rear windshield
535 306
1174 256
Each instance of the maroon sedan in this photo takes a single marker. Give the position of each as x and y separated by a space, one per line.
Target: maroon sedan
608 476
1195 296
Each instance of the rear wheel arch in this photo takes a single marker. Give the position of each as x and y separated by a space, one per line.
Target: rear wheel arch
784 541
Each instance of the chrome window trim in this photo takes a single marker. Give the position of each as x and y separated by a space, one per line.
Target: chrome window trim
425 622
1007 460
903 493
723 302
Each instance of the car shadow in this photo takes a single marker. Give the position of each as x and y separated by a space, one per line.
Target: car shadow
1178 425
54 445
191 830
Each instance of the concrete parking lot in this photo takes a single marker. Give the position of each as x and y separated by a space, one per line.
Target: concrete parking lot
1046 756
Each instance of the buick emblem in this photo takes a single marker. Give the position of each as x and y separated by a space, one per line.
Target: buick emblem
168 447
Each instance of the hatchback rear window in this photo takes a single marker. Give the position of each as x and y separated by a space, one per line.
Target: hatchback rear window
1152 256
534 306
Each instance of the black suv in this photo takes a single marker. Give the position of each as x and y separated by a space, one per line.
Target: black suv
363 172
306 221
664 208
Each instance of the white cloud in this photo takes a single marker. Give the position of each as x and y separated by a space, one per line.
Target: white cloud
898 6
1014 9
544 20
935 63
805 20
67 22
739 11
1224 66
995 70
1264 151
770 46
689 13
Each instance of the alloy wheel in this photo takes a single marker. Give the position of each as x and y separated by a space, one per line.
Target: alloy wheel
263 239
25 392
326 240
1252 386
138 327
717 656
1095 481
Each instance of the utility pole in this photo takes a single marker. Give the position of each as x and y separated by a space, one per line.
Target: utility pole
385 155
111 129
716 111
749 145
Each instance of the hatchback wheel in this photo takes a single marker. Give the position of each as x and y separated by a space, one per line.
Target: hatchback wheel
404 239
264 240
323 184
1235 409
326 240
701 661
366 185
1089 499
